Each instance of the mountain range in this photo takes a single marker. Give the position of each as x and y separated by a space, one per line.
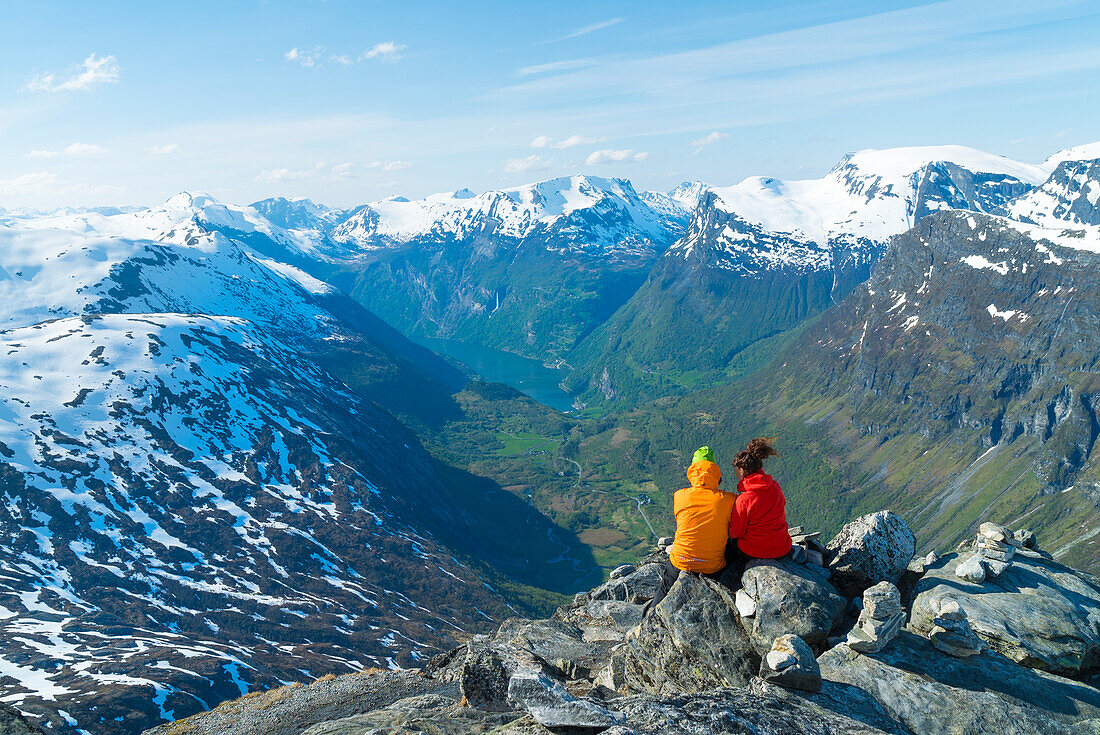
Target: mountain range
226 466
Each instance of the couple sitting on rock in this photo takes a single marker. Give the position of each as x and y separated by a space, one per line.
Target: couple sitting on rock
716 529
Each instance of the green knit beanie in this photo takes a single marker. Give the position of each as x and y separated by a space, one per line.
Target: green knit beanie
703 454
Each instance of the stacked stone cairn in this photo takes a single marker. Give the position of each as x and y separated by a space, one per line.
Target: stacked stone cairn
808 548
951 631
996 545
880 620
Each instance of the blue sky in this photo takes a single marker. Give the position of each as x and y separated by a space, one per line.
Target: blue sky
345 102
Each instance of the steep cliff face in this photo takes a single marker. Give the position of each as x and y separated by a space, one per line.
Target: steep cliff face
970 323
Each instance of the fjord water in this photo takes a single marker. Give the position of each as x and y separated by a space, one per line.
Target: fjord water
526 375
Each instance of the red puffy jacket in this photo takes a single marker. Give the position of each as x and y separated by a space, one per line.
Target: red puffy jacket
759 521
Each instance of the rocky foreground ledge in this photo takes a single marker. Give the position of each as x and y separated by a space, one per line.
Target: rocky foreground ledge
872 642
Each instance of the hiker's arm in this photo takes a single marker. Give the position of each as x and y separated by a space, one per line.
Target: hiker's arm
739 521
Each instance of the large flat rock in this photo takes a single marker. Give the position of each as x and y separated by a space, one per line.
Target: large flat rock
930 693
1037 612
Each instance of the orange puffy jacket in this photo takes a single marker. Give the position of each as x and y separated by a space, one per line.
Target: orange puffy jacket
702 521
759 521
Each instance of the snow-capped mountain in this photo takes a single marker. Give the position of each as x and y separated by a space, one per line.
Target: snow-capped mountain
774 252
192 509
864 200
577 213
1071 196
194 503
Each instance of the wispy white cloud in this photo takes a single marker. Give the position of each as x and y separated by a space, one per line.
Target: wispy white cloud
320 172
305 59
533 162
614 156
710 138
311 59
49 183
88 76
164 150
564 65
835 66
545 141
389 165
706 140
74 149
591 28
386 51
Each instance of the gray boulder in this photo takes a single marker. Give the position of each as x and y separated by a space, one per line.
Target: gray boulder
1037 612
790 663
871 549
789 598
933 694
637 586
692 641
484 678
737 712
552 706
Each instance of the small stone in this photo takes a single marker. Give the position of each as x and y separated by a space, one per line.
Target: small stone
996 554
779 660
958 641
793 531
665 542
950 609
995 567
882 601
871 634
790 663
746 605
971 570
622 571
994 531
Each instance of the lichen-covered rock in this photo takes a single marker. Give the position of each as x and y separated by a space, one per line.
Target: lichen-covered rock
1038 612
13 723
692 641
932 694
553 706
290 710
484 678
790 663
871 549
431 713
736 712
789 598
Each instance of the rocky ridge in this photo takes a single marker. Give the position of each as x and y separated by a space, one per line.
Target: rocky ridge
697 664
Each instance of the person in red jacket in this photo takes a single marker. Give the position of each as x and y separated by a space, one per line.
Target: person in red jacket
759 521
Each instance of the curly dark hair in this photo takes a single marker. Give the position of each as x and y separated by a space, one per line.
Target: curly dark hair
752 458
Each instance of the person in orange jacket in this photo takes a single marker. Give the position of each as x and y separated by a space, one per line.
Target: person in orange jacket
759 519
703 513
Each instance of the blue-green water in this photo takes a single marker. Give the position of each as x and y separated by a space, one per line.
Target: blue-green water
528 376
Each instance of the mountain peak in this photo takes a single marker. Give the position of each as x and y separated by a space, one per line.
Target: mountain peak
1086 152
